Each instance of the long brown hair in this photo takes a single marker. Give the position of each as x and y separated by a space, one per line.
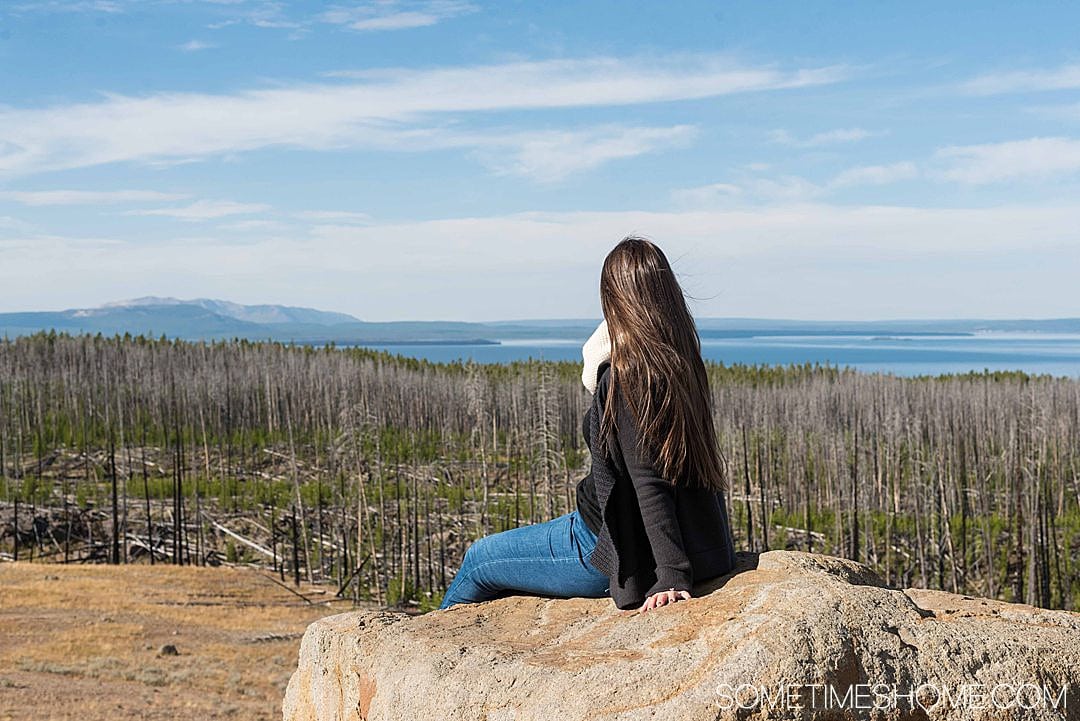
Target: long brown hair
656 365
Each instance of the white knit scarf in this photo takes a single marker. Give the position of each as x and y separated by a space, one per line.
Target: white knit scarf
595 351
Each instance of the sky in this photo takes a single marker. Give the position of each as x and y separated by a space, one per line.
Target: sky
460 160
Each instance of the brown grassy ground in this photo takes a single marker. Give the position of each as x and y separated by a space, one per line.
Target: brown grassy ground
84 642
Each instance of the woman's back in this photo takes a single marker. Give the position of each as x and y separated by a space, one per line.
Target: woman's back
656 534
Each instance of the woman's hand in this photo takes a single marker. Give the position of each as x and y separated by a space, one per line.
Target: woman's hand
663 598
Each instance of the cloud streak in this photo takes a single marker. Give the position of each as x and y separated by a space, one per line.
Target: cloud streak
69 6
1030 159
1063 78
552 156
203 210
192 46
790 188
369 109
373 16
830 137
875 175
86 197
437 267
1015 161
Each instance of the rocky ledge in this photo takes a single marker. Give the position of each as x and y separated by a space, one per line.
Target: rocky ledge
787 635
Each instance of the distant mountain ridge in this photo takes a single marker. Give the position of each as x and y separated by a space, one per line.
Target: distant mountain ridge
249 313
211 319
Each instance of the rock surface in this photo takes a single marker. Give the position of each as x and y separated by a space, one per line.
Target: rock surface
751 644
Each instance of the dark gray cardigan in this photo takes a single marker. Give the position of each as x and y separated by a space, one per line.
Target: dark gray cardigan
656 535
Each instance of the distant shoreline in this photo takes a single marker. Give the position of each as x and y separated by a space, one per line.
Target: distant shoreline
368 343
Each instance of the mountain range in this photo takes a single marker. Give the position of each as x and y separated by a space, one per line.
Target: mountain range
209 319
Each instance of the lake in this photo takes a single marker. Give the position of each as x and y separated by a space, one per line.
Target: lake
907 355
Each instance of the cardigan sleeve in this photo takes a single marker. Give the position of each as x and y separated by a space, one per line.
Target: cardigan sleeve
656 499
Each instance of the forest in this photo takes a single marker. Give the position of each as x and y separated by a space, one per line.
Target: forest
371 472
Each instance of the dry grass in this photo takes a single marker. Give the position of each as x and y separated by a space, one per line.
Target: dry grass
84 642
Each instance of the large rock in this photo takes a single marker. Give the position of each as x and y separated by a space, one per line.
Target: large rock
783 620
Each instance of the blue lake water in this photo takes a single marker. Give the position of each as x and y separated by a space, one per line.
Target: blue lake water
907 355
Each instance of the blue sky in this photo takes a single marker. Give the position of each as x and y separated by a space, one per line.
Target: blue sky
458 160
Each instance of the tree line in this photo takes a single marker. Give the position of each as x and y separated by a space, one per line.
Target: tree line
373 472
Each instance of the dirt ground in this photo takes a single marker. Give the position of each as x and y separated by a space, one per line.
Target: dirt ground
88 642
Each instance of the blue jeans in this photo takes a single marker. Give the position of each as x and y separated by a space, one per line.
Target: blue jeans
545 559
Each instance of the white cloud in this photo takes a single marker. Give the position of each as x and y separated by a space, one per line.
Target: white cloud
334 216
875 175
396 21
751 191
542 155
262 225
203 210
449 267
1062 78
1061 111
395 15
372 15
784 189
707 195
551 156
265 14
17 224
192 46
547 240
1031 159
86 197
371 112
830 137
789 188
69 6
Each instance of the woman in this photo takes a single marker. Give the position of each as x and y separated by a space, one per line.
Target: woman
651 520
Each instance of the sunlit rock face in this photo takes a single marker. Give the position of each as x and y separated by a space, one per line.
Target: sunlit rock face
787 635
